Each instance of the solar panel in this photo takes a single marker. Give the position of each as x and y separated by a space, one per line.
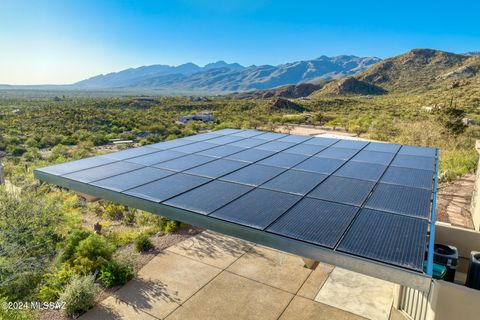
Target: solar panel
247 133
408 177
221 151
216 168
383 158
248 143
322 141
343 190
225 139
270 136
337 153
170 144
306 149
275 146
316 221
351 144
72 166
284 160
163 189
295 181
209 197
305 195
418 151
195 147
184 163
388 238
257 209
253 175
320 165
361 170
102 172
294 138
414 162
130 153
132 179
382 147
157 157
251 155
400 199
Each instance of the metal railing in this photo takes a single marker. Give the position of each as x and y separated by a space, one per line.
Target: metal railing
414 303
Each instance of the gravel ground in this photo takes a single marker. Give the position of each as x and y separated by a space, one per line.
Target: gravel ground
160 241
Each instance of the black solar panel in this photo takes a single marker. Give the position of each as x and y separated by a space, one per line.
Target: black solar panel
388 238
157 157
408 177
295 181
185 162
64 168
320 165
102 172
275 146
132 179
221 151
343 190
382 147
257 209
163 189
170 144
418 151
322 141
248 143
316 221
251 155
253 175
337 153
216 168
195 147
383 158
297 191
415 162
361 170
130 153
351 144
209 197
306 149
284 160
400 199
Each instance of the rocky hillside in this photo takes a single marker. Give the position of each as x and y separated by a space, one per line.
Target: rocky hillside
291 91
351 85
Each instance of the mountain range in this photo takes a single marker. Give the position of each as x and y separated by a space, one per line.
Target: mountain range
220 77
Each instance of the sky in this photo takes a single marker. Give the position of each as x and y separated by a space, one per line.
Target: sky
64 41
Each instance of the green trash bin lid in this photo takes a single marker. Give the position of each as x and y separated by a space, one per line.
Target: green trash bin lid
439 271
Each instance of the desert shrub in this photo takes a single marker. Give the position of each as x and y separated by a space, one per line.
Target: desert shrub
71 243
129 218
143 243
115 273
54 283
168 225
91 253
79 295
114 211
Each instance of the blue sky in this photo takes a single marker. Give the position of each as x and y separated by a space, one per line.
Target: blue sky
62 41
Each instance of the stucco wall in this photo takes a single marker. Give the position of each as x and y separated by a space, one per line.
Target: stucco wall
475 206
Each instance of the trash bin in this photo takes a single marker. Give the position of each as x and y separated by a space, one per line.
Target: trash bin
439 271
473 275
446 256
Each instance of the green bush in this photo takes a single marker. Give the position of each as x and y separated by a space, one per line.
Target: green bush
79 295
114 211
115 273
168 225
91 253
143 243
54 284
71 243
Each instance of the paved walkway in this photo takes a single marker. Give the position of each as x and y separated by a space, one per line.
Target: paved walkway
211 276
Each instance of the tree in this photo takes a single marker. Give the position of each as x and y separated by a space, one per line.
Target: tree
451 119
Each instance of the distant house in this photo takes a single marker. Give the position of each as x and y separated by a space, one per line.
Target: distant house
470 122
198 99
205 116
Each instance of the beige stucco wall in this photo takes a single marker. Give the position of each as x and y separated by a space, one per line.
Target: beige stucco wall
475 206
451 301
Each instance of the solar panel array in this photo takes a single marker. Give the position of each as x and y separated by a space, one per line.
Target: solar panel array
366 199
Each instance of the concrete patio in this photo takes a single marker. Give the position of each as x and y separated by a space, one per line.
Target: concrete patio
211 276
